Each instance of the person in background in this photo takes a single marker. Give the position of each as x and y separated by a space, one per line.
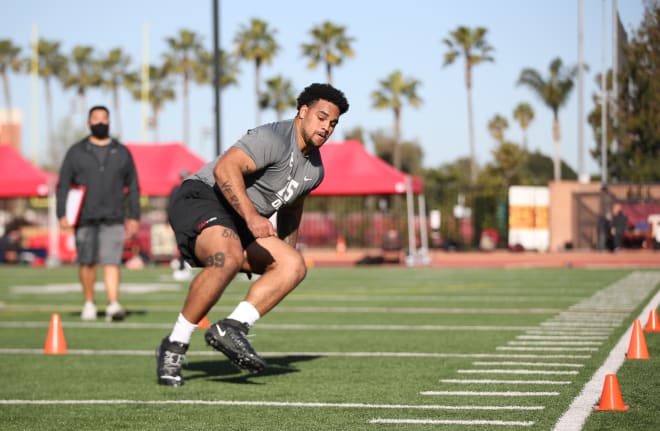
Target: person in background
220 217
619 226
108 214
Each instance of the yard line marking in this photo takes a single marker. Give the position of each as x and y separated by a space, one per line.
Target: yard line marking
580 325
450 422
555 343
547 349
269 404
506 382
194 353
575 416
520 371
562 337
300 327
601 332
491 394
532 364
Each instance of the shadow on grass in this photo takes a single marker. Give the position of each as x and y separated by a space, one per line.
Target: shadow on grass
222 370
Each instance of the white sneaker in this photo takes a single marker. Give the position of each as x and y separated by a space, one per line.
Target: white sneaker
182 274
88 311
114 311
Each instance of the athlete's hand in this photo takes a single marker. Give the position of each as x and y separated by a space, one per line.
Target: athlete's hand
260 226
64 223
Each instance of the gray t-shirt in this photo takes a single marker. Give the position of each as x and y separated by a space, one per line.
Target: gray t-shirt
283 173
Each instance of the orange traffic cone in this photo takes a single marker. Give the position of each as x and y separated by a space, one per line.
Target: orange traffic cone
653 325
341 245
637 348
611 398
204 323
55 342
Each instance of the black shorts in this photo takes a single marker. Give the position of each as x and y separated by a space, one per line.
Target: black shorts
195 206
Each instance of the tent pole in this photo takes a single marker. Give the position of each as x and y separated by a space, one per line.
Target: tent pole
53 258
424 250
410 206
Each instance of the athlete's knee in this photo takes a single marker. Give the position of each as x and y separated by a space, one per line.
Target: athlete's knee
294 264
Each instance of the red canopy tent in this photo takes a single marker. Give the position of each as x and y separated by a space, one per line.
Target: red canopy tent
351 170
19 177
159 165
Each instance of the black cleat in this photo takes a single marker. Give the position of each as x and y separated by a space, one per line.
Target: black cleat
229 336
170 356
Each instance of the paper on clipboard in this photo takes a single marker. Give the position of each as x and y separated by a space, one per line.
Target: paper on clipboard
74 200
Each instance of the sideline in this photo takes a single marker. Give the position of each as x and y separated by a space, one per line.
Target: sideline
576 415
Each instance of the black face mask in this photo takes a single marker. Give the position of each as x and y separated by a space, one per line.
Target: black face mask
100 130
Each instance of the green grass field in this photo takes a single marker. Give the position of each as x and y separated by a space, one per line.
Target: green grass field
350 349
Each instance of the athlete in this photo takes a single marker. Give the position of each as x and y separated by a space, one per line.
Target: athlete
220 217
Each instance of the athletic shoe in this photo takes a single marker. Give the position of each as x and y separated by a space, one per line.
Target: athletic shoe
88 311
229 336
170 357
114 311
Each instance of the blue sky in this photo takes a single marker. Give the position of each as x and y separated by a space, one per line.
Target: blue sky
388 35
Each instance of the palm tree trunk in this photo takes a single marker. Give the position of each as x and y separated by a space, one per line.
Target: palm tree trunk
49 123
556 156
473 150
328 73
396 157
115 107
186 112
5 85
257 92
154 124
525 139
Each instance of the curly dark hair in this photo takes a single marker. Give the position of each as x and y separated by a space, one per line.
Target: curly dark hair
327 92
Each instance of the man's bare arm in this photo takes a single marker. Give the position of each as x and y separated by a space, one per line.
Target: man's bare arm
288 222
229 174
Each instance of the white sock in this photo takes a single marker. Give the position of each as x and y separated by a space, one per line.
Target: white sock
245 313
183 330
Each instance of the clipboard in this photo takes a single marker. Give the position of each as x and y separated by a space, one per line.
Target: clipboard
74 201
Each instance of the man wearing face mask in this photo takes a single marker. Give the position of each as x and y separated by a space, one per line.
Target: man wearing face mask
105 168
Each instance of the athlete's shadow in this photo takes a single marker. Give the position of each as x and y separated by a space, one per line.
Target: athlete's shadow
221 370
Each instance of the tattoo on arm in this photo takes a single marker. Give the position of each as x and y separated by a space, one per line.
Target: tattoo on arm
228 191
216 260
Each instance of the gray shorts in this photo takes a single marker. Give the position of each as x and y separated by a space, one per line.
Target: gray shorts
100 244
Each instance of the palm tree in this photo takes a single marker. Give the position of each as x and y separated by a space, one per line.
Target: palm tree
554 92
394 91
279 96
256 43
52 65
472 44
497 126
10 60
161 90
85 75
205 69
114 68
330 46
182 60
524 114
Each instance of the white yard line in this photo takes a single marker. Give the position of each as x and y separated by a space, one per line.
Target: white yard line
491 394
269 404
531 364
505 382
450 422
518 371
273 326
194 353
547 349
